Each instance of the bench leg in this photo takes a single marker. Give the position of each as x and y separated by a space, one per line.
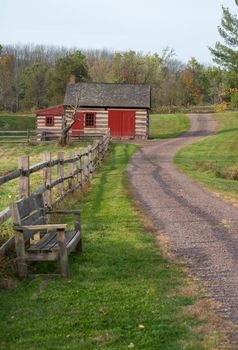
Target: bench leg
22 268
63 254
20 251
79 247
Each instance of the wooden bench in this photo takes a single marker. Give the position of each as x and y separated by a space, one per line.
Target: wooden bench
30 217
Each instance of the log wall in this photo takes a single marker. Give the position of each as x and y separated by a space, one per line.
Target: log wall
56 128
141 122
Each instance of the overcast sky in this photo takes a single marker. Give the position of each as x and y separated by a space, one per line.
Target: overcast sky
187 26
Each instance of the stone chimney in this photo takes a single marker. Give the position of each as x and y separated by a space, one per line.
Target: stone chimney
72 79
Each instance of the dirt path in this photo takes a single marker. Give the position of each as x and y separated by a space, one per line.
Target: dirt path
202 228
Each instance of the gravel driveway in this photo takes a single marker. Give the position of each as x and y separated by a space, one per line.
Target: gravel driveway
202 228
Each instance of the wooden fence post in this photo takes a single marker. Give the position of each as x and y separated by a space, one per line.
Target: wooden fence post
103 147
24 179
70 171
90 164
60 173
19 243
97 154
47 179
81 171
79 168
100 151
85 166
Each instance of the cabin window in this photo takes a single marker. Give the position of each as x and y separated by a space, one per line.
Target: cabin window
90 120
49 121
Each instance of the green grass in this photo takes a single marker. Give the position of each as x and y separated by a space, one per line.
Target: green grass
213 161
120 282
164 126
17 121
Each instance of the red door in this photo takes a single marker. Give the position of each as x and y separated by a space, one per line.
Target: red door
121 123
78 126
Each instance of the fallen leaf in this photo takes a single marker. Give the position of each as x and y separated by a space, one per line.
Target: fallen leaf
226 223
102 310
141 326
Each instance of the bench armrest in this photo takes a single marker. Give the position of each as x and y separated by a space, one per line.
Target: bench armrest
48 227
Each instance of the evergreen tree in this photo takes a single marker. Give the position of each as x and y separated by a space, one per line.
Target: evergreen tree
75 64
33 86
226 54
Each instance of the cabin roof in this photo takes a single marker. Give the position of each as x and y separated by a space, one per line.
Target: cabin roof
53 110
108 95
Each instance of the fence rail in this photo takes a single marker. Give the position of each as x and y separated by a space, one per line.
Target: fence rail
18 136
32 136
80 167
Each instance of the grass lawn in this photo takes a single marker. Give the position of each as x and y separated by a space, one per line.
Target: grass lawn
164 126
17 121
122 293
213 161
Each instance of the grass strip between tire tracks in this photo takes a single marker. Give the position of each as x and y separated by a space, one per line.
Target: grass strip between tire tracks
164 126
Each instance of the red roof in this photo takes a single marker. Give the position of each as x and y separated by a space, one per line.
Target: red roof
54 110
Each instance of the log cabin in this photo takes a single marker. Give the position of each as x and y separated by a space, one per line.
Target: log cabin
122 108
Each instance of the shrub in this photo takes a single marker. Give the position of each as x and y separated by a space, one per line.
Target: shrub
201 165
221 107
230 173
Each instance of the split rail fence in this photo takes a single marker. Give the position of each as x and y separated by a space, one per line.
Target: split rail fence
80 167
33 136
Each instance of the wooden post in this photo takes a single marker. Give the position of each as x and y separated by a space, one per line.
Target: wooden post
100 152
63 255
70 171
47 179
21 254
103 147
90 164
107 140
94 156
78 167
77 227
81 170
85 166
24 179
60 173
19 242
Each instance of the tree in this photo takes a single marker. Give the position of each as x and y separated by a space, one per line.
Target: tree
215 84
73 64
68 120
193 81
226 54
127 67
6 81
33 86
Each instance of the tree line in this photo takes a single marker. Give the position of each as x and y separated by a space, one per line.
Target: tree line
35 76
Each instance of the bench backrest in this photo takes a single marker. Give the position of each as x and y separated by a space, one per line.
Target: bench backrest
29 211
